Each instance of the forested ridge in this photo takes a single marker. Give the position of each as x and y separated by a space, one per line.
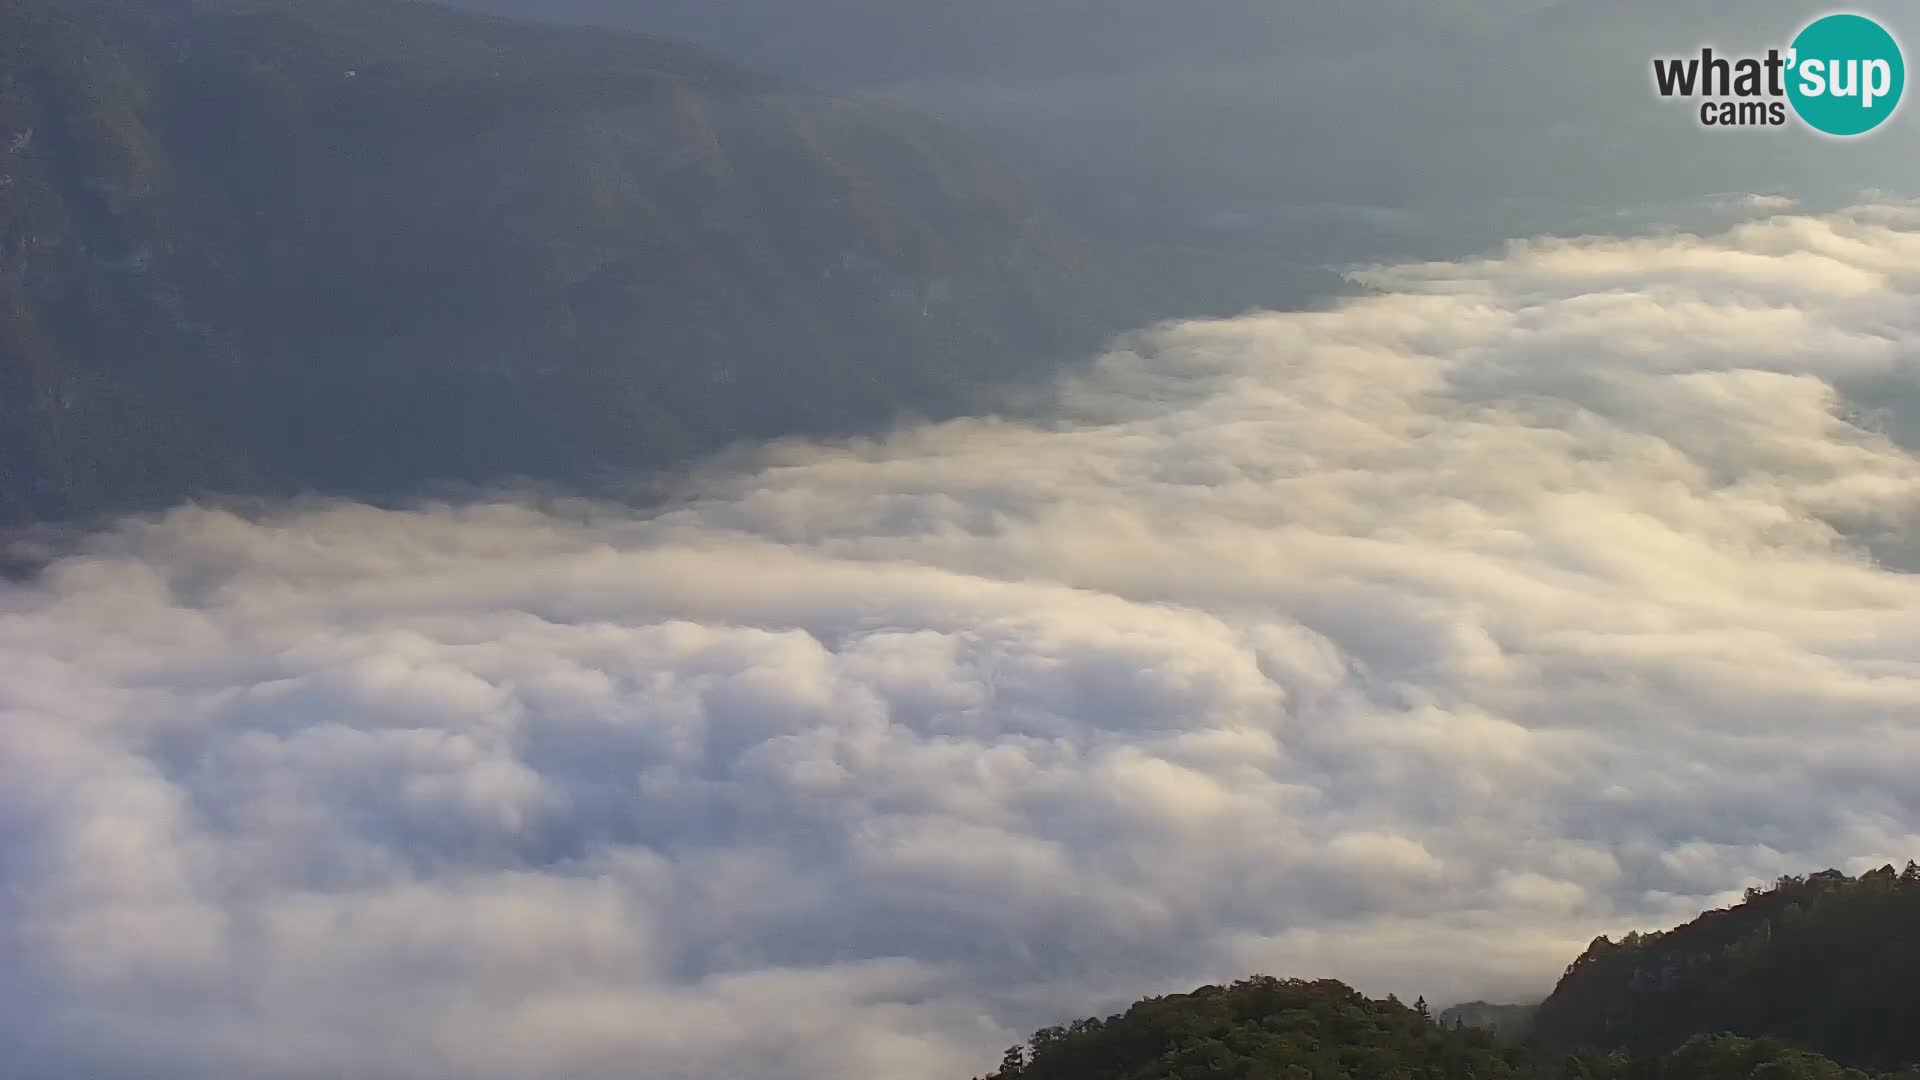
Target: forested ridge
1812 978
1826 960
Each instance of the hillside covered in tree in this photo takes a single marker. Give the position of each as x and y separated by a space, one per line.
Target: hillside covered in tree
363 245
1264 1028
1816 978
1826 960
1260 1029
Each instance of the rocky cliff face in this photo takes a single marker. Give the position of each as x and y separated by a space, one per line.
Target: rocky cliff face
1820 960
363 245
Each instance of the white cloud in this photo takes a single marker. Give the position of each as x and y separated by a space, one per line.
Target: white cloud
1413 642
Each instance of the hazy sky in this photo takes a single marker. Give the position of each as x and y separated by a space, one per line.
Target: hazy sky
1415 642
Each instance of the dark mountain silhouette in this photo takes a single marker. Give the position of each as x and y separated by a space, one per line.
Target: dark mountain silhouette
1827 961
360 246
1811 979
1509 1023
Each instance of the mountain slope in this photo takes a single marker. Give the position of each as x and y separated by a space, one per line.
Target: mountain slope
1508 1023
1363 131
1260 1029
363 245
1272 1029
1811 979
1826 960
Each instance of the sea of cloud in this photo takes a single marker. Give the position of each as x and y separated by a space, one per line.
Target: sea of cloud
1413 642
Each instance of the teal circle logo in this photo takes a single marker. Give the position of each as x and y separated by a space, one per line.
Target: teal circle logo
1846 75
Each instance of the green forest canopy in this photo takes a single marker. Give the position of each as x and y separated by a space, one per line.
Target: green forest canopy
1813 978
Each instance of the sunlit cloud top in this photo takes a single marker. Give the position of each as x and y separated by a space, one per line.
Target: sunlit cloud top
1413 642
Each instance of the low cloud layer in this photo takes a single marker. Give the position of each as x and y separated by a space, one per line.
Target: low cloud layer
1413 643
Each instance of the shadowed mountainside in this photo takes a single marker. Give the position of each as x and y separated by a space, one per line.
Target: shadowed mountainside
360 246
1825 960
1811 979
